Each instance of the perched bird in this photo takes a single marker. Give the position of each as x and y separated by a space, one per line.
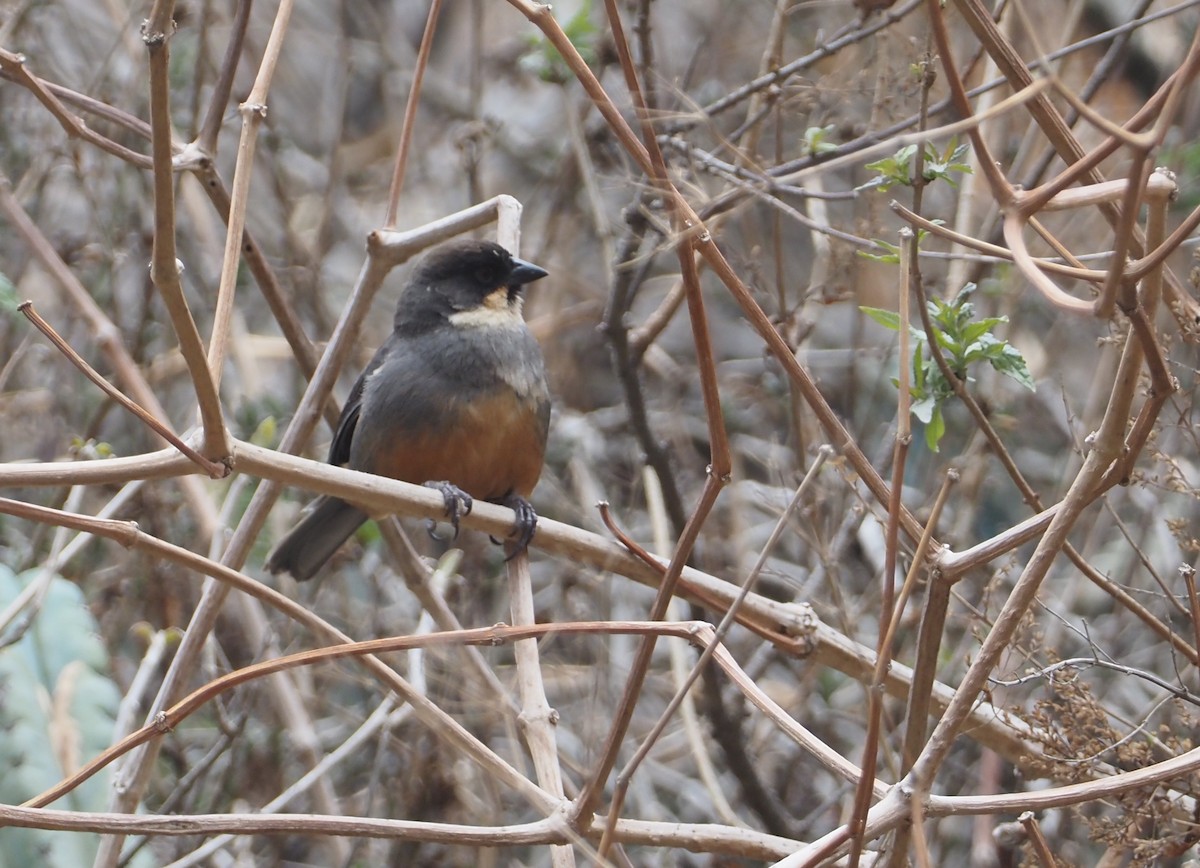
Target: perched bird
455 399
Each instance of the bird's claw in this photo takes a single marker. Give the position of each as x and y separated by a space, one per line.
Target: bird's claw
524 527
458 504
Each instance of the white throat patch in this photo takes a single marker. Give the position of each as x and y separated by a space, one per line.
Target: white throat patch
496 311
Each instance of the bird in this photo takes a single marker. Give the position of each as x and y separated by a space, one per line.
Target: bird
455 399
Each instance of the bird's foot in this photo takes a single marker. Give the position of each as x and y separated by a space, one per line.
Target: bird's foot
524 527
458 504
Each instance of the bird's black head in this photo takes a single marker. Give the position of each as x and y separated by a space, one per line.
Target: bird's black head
477 280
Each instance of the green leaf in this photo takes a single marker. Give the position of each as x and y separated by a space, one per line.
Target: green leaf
963 294
924 410
1012 364
935 430
891 171
973 331
943 165
890 258
815 141
947 342
886 318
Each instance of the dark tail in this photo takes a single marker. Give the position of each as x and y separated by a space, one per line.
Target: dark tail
312 542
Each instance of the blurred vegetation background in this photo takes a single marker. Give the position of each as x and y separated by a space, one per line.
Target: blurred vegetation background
499 113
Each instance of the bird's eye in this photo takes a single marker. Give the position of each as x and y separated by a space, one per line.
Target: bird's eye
486 276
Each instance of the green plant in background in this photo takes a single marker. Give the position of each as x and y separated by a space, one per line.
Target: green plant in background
57 710
816 141
543 60
90 448
1184 159
891 254
8 295
963 341
897 170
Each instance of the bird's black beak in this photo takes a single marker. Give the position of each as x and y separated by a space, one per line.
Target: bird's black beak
525 272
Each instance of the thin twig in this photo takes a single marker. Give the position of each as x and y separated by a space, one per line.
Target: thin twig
212 468
210 127
1041 847
410 115
164 266
253 111
12 67
538 719
727 621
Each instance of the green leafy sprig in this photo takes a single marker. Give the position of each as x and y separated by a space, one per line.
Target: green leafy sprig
964 341
897 170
